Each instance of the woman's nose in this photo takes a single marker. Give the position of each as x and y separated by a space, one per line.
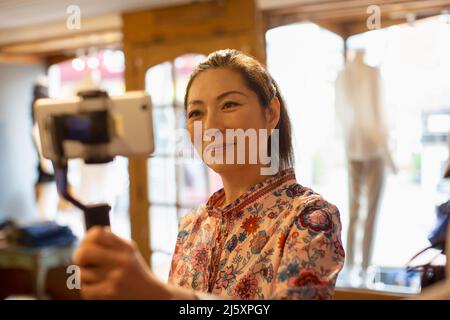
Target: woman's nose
213 122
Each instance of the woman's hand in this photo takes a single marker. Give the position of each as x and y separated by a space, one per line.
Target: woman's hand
113 268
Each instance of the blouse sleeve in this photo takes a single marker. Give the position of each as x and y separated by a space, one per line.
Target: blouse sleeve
183 230
312 255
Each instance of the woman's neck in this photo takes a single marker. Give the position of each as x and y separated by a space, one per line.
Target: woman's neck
236 183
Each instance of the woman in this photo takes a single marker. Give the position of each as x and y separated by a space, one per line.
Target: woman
261 236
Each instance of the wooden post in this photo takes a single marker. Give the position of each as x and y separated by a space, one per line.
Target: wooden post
157 35
137 168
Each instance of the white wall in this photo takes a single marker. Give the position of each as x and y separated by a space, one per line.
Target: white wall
18 160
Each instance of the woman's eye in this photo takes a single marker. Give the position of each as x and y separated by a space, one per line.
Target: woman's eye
230 104
193 114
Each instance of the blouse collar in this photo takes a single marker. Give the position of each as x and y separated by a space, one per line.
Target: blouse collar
247 198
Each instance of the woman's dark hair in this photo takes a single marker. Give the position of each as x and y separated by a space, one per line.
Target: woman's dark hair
259 81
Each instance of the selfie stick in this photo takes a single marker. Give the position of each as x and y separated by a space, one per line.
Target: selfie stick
97 214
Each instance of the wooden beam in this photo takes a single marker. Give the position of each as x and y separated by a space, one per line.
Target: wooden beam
61 38
59 30
21 59
339 15
333 27
58 58
342 5
354 28
191 21
58 46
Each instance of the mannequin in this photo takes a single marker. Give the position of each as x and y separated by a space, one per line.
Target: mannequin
359 111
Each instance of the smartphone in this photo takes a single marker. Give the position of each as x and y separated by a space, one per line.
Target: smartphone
97 127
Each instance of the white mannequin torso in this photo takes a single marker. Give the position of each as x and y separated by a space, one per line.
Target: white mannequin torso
359 110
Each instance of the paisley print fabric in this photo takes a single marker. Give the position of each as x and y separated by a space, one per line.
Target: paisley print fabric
279 240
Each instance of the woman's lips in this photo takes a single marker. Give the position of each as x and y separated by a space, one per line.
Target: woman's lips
218 147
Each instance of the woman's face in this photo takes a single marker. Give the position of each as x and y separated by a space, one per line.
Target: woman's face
218 99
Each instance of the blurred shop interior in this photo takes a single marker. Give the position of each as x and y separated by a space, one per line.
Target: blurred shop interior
153 45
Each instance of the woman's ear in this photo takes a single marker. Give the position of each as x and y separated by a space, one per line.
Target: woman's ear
273 113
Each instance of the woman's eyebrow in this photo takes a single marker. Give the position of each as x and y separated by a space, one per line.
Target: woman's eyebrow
219 97
195 102
223 95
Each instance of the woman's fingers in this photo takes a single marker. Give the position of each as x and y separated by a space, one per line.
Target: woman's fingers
97 291
92 255
103 236
110 266
93 275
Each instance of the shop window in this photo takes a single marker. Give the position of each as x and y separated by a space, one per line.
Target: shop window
415 66
177 183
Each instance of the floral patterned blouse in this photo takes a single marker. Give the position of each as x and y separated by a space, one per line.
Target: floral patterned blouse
279 240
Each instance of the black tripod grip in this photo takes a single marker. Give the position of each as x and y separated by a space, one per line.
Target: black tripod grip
96 215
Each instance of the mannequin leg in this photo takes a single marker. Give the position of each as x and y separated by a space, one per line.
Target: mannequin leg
375 180
355 179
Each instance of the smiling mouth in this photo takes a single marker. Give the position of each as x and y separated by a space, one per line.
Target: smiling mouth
218 147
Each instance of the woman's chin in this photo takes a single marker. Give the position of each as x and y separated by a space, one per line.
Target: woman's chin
224 168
